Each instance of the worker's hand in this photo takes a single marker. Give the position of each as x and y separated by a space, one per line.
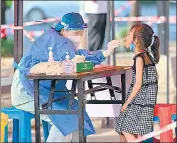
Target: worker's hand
124 107
113 44
110 47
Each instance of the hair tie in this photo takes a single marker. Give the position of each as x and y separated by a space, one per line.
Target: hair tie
152 42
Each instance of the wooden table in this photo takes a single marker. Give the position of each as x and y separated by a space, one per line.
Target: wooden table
78 80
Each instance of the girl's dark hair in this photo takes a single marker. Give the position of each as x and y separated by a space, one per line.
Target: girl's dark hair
144 35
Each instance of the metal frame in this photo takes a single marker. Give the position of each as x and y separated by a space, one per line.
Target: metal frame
163 32
110 31
18 33
113 30
108 23
81 98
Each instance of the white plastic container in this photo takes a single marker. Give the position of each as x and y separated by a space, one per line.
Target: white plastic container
50 55
68 65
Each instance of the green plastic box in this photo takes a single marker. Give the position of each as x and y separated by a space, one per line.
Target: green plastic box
84 67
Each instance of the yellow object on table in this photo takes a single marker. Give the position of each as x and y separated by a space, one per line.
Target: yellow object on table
4 122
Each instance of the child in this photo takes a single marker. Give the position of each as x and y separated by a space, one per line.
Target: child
136 117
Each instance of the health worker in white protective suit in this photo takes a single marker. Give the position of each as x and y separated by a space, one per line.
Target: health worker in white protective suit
64 38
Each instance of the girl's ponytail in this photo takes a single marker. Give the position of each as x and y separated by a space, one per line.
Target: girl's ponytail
155 49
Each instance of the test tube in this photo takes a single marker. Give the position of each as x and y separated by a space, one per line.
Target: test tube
122 41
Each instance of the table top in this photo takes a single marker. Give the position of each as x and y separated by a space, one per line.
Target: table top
99 72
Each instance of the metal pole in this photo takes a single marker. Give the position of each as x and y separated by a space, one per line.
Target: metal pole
161 26
108 27
135 11
18 33
166 3
0 59
20 22
81 106
163 32
108 39
113 30
15 32
36 109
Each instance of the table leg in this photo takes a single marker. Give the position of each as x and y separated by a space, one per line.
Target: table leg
81 110
90 86
51 96
73 92
85 138
109 82
123 85
36 109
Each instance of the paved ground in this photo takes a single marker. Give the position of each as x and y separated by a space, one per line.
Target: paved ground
103 135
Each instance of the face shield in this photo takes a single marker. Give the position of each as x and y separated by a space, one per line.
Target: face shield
84 39
78 35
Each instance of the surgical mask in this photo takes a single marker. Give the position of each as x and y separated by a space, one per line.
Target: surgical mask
132 46
75 39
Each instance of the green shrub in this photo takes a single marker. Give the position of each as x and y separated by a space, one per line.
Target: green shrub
7 47
8 3
121 34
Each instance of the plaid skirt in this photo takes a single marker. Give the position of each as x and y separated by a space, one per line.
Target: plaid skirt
137 120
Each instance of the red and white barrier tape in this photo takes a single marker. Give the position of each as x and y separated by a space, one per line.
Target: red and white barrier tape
157 132
44 20
122 8
3 33
30 23
27 24
149 19
153 19
28 36
58 19
35 33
